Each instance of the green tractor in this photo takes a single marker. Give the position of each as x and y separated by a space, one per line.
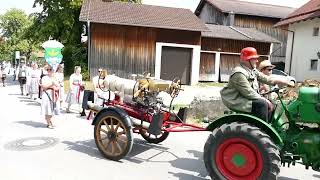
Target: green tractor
244 147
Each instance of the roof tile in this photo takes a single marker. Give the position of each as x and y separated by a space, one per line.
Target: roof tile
237 33
307 11
250 8
140 15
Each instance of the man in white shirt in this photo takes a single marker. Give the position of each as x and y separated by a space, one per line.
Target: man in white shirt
101 93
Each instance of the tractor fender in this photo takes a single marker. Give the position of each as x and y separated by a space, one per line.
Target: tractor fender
246 118
118 110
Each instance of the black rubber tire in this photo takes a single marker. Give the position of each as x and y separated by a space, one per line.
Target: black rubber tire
268 149
127 135
153 139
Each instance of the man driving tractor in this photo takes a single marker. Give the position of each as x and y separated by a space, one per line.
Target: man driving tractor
242 91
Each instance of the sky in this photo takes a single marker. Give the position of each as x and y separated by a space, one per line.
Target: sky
26 5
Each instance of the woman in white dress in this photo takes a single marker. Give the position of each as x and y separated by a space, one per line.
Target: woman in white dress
34 81
60 79
50 96
75 93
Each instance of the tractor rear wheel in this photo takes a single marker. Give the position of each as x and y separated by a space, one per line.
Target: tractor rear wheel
113 135
240 151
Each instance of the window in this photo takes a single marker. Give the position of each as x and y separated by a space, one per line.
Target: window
316 31
314 64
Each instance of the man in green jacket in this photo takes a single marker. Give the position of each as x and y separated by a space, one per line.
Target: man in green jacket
242 91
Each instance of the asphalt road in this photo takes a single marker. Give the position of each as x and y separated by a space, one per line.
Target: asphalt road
30 151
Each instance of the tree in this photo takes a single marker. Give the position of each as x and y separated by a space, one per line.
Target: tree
60 20
14 24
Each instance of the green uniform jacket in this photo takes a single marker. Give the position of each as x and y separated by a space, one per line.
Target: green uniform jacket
243 88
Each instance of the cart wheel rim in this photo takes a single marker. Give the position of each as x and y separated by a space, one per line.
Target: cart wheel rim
112 136
237 158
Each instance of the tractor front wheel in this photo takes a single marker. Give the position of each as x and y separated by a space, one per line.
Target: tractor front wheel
240 151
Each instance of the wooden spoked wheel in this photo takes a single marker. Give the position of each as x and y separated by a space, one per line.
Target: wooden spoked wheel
113 135
155 139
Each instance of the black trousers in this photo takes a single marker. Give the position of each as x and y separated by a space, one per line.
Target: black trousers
260 109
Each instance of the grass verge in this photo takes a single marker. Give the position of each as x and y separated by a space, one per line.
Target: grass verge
88 85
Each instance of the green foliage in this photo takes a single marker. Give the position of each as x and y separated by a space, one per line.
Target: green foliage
60 20
75 56
5 51
14 24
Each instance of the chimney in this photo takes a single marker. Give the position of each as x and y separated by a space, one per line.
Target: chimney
230 19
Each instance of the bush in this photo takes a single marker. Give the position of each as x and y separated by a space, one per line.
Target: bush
75 55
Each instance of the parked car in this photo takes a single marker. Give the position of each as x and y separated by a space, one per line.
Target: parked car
277 72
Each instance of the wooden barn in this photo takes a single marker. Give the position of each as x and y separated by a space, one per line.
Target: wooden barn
128 38
248 15
220 49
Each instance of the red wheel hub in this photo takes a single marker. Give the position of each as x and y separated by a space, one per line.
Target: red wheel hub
239 159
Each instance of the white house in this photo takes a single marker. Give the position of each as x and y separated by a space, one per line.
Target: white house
303 45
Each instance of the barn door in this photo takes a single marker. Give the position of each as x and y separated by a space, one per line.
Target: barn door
176 62
207 67
227 64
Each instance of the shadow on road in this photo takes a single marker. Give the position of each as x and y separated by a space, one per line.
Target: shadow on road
184 176
316 176
23 98
286 178
194 165
32 124
27 100
140 146
87 147
33 104
16 94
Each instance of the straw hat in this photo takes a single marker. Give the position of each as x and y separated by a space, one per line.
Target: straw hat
264 64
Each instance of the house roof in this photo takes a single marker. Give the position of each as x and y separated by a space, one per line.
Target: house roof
248 8
237 33
131 14
308 11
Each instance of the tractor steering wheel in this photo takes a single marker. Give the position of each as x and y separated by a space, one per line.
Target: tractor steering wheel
275 89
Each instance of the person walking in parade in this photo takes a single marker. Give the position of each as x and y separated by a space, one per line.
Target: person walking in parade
76 88
3 75
60 79
22 76
34 81
50 96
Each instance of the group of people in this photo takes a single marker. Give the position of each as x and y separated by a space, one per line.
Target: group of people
47 84
52 86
